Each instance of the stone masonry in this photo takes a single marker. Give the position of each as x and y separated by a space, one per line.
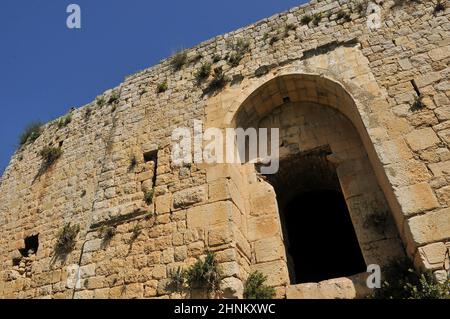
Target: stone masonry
377 98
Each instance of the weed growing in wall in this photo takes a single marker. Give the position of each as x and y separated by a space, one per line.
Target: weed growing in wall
418 104
317 17
66 239
148 196
218 82
100 100
255 287
179 60
162 87
64 121
31 133
240 48
204 274
403 281
203 72
306 19
49 156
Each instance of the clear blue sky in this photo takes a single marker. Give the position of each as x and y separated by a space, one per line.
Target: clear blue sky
45 68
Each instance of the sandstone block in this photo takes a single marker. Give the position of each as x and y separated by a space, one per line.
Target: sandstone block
220 235
163 203
416 198
269 249
433 255
422 139
188 197
431 227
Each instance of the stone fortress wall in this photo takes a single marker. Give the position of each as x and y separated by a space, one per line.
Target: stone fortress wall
377 98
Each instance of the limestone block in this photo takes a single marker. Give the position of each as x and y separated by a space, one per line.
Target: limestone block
269 249
263 199
93 245
393 151
431 227
303 291
87 271
440 169
232 288
407 172
101 293
209 214
263 227
440 53
416 198
73 276
422 139
133 291
433 255
218 190
180 253
230 269
188 197
220 235
85 294
445 135
163 203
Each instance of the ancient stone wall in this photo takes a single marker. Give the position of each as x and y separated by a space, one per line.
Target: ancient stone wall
380 95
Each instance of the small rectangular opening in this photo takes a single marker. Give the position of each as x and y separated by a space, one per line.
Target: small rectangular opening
152 156
31 246
286 99
413 83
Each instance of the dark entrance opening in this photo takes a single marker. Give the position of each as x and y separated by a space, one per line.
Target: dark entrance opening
322 241
318 232
31 246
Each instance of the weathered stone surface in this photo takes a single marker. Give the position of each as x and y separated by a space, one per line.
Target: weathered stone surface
422 139
189 197
430 227
433 255
335 85
416 198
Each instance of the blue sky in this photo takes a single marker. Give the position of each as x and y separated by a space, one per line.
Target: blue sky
46 68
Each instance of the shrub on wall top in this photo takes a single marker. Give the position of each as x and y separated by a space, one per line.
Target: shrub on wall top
31 133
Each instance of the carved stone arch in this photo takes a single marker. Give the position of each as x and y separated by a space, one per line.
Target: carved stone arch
316 91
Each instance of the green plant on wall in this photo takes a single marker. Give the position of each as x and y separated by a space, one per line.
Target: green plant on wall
100 100
162 87
133 163
306 19
31 133
203 72
66 239
148 196
204 274
108 233
403 281
317 17
239 49
177 280
255 287
64 121
418 104
178 60
49 156
218 81
114 98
